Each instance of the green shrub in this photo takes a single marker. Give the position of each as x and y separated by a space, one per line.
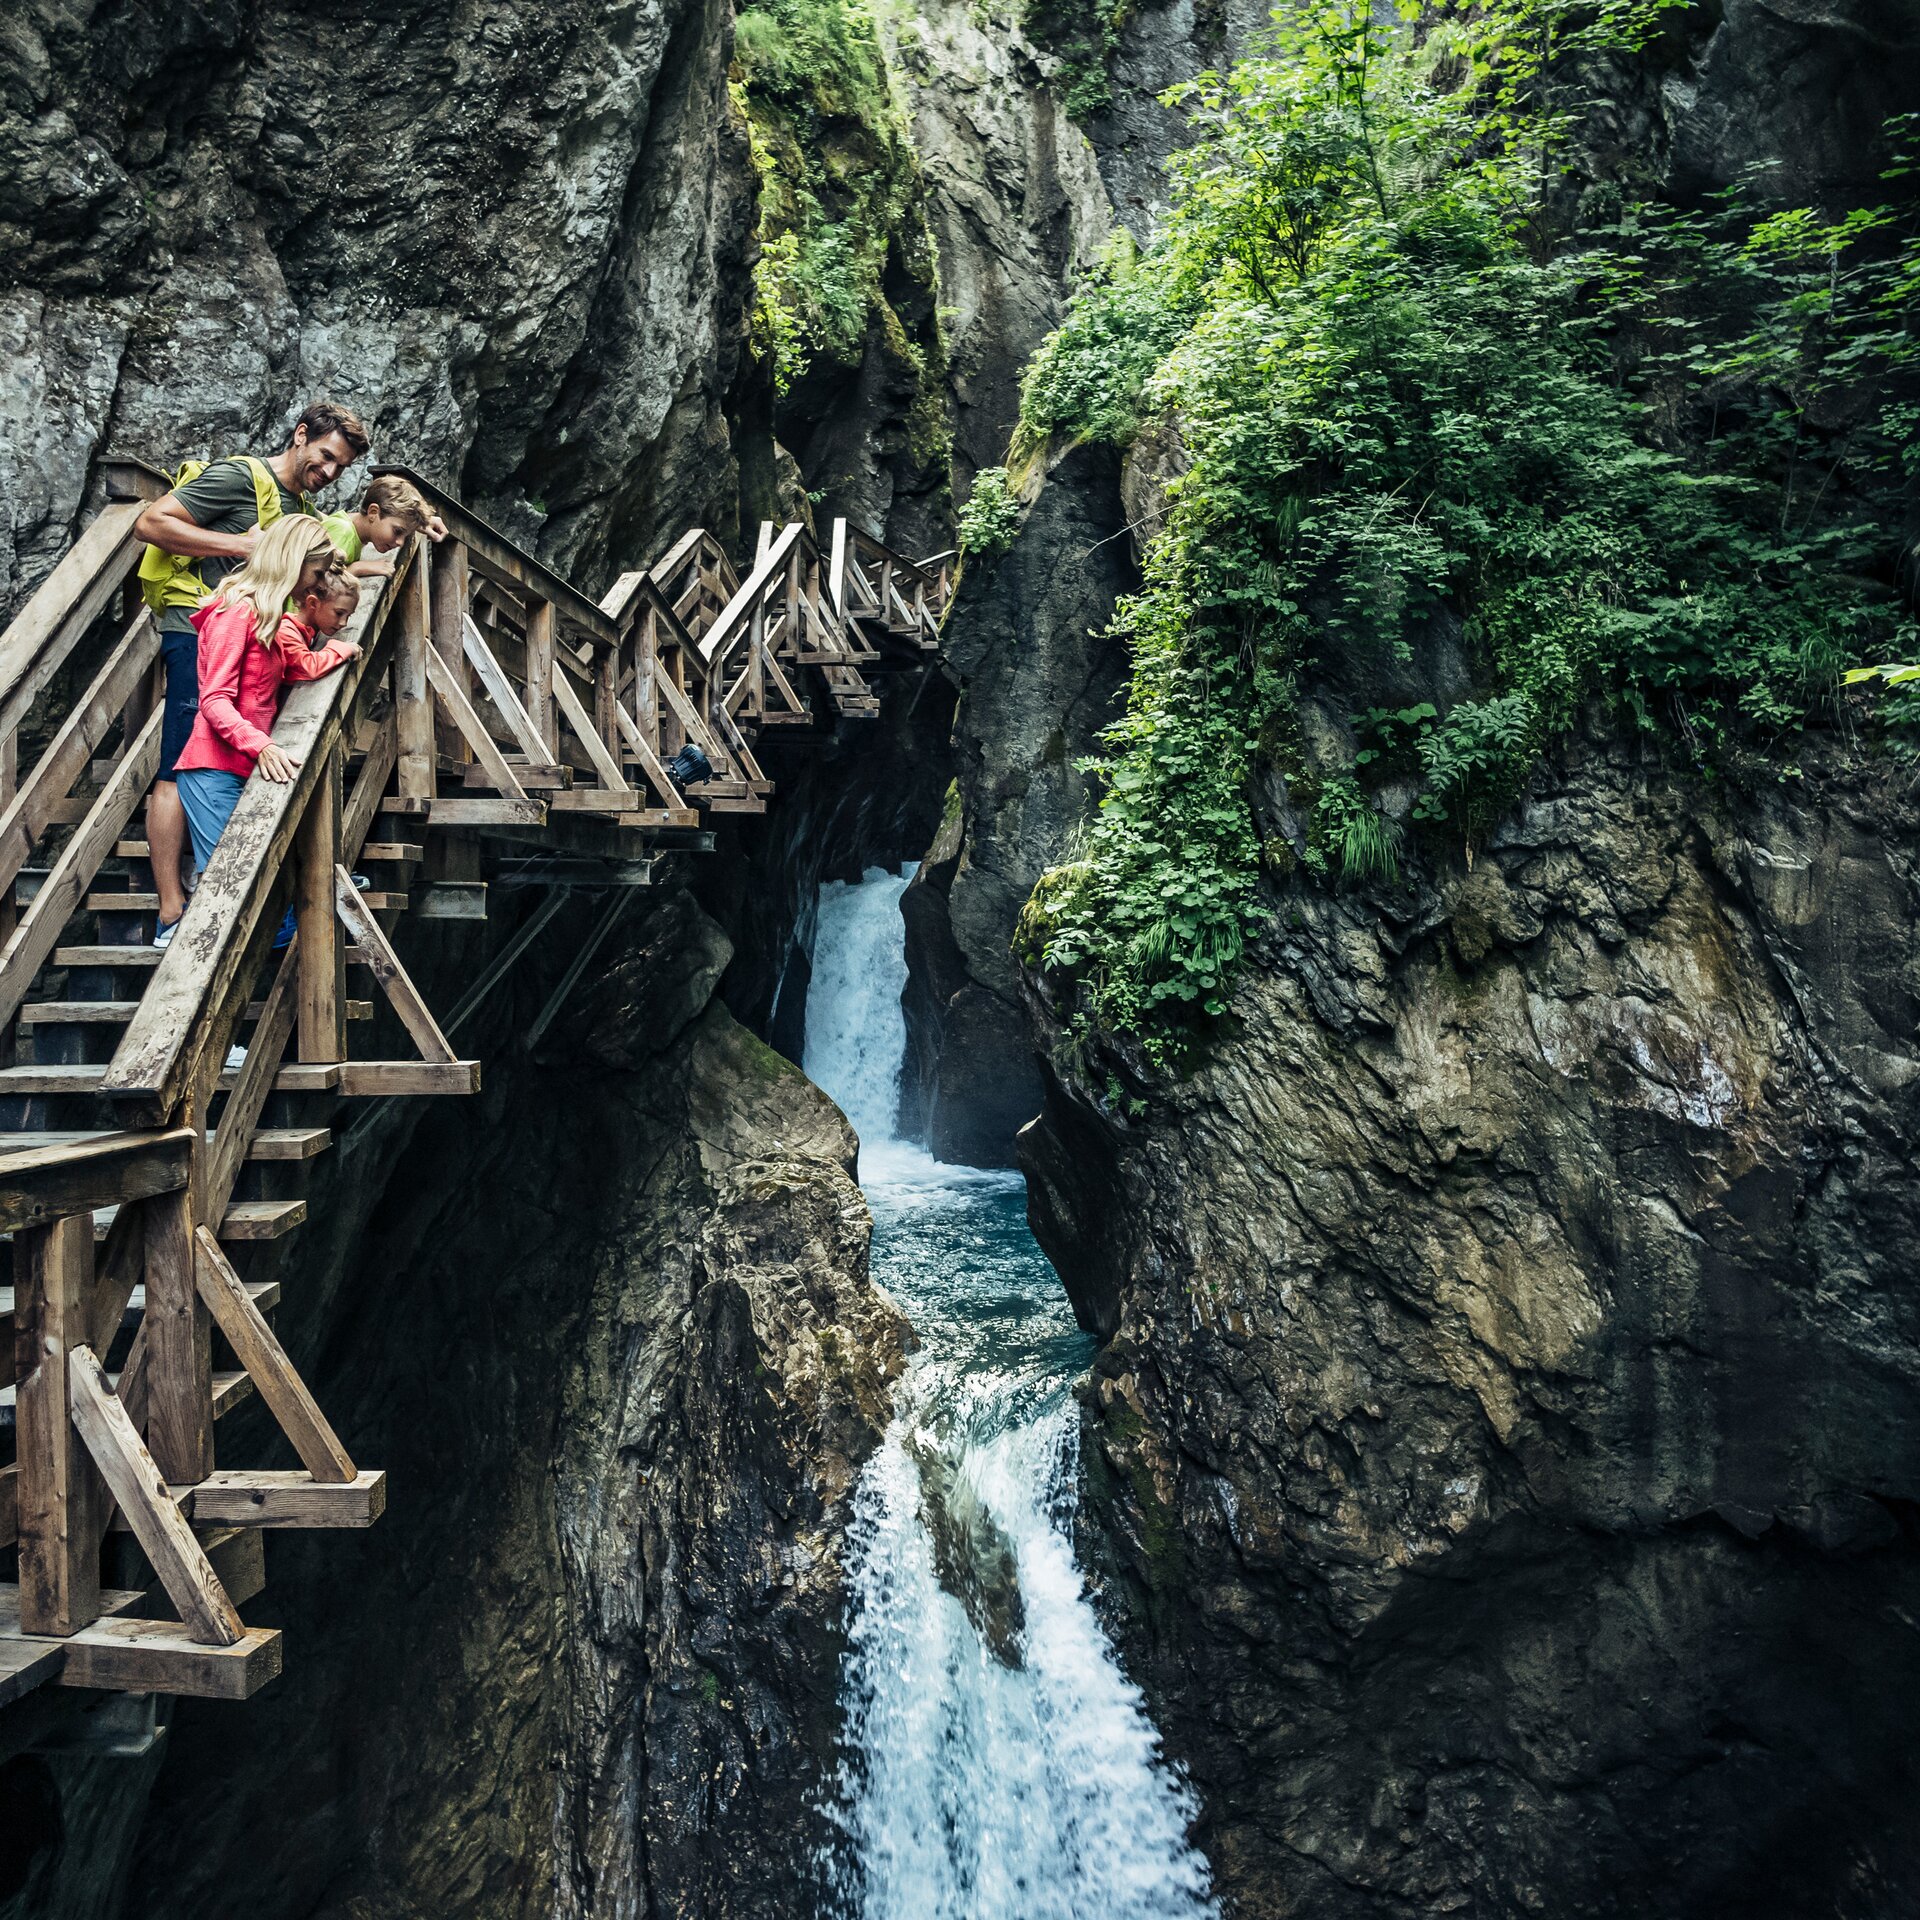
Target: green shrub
991 518
1415 401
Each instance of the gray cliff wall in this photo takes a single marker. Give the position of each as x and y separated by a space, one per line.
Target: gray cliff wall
1505 1448
515 237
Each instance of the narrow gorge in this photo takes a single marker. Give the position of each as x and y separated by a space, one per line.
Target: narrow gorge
1248 1249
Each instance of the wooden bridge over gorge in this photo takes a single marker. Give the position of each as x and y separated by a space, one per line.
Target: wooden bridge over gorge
162 1110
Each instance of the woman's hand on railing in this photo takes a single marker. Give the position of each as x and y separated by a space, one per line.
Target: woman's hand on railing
276 763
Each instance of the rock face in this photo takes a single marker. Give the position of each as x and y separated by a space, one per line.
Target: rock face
1505 1449
1026 644
515 238
613 1338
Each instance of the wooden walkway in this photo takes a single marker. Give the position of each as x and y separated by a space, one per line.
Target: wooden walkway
137 1168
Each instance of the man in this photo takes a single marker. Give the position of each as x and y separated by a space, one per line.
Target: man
197 535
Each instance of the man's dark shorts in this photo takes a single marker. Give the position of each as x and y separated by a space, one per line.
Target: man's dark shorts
181 652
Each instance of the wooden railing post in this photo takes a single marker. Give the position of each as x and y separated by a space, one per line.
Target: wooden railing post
322 961
540 704
412 700
450 593
179 1345
60 1493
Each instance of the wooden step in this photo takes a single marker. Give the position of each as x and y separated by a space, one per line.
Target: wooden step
229 1390
144 955
78 1013
122 903
386 902
268 1143
409 850
261 1219
265 1294
132 850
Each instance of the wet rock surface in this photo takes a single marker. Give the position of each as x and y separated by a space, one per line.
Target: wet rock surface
609 1329
1038 678
1504 1453
515 238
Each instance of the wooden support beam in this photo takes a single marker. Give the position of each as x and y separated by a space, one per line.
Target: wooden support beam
459 709
650 762
179 1348
222 1161
459 811
62 1503
323 973
251 1499
499 687
382 1079
136 1483
364 803
263 1357
412 700
43 1184
161 1656
375 948
578 718
540 674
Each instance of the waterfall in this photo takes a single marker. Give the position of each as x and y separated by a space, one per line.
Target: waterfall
997 1764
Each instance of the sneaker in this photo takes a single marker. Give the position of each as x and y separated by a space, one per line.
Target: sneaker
236 1059
163 934
361 881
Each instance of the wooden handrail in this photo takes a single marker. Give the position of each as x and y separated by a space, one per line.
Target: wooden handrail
753 589
167 1037
499 553
43 1184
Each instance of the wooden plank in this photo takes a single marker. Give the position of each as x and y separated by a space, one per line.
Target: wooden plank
289 1143
162 1656
650 762
261 1219
378 1079
241 1115
158 1524
61 1499
459 709
404 997
273 1374
63 607
30 811
399 852
179 1350
43 1184
164 1045
578 718
463 812
9 1488
412 699
471 531
239 1558
66 885
720 637
321 1019
251 1499
26 1661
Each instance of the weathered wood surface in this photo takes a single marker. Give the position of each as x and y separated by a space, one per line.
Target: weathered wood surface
177 1340
41 1184
285 1500
377 951
136 1482
263 1357
61 1499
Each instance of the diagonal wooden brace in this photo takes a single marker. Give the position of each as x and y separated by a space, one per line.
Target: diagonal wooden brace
377 951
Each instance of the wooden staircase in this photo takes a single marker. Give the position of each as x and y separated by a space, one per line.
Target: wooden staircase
161 1113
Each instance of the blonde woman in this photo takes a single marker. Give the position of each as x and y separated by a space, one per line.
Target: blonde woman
250 647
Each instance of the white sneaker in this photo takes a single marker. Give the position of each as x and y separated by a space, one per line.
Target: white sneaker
236 1059
163 933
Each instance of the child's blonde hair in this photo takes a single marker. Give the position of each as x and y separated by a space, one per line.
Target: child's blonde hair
272 573
395 498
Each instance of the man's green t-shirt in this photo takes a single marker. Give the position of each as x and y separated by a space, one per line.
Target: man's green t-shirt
223 501
344 535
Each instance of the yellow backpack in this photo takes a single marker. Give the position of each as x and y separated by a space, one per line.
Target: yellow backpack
173 579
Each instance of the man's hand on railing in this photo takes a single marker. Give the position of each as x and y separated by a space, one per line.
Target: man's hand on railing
276 763
436 528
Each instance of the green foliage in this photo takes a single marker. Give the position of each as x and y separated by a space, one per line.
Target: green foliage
1085 35
991 518
1653 461
839 198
